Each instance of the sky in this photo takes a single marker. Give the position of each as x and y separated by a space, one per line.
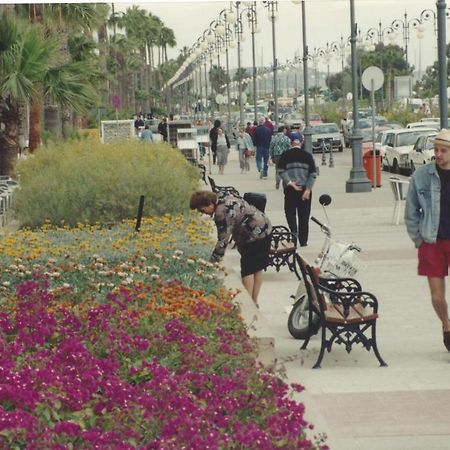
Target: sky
326 22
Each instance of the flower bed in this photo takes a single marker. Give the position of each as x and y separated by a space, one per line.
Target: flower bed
124 340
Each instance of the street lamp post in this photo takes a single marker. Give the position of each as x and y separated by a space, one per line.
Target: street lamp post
358 181
250 11
272 7
404 25
307 132
442 63
339 49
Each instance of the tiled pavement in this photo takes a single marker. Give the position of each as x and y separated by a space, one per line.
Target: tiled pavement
358 404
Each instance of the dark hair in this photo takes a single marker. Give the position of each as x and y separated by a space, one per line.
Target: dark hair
280 129
199 199
217 123
146 127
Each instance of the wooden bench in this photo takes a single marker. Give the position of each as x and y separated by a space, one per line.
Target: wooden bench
347 313
283 249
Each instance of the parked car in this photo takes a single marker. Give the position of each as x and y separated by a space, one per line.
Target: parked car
328 131
315 119
293 121
423 150
398 145
427 124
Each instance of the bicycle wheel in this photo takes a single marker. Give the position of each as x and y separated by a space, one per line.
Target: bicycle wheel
299 317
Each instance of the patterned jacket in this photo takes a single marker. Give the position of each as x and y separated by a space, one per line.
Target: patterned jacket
279 144
236 218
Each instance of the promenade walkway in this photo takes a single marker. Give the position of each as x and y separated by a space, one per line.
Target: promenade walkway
360 405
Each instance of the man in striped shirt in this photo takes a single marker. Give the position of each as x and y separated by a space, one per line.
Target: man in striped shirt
298 172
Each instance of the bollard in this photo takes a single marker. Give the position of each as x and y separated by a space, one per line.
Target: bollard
331 164
324 158
139 214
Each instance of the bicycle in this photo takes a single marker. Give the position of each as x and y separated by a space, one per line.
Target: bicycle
335 260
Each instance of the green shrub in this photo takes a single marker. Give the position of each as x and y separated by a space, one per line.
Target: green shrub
90 182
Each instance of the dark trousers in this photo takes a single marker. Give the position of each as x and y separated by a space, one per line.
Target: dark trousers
297 213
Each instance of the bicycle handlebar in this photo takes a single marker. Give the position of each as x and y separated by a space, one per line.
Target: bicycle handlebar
325 228
317 221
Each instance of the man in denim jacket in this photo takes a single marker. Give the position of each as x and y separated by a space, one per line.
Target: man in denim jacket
427 219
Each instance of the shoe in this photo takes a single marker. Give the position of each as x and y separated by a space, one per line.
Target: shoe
261 175
277 186
303 245
446 336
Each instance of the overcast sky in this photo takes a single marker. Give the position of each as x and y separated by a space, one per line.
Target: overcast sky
327 21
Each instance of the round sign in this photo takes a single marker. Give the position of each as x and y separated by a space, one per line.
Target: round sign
372 73
349 96
115 101
220 99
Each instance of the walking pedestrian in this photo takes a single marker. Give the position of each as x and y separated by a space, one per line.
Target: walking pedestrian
249 227
244 145
162 128
213 133
278 145
298 172
261 138
222 149
427 220
146 135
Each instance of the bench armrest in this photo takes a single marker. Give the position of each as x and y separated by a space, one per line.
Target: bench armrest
350 299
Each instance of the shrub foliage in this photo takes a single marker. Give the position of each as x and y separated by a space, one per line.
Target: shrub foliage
91 182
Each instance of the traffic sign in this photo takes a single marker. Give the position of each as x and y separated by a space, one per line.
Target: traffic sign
115 101
372 73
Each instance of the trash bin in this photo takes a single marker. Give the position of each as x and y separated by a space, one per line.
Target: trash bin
257 200
368 166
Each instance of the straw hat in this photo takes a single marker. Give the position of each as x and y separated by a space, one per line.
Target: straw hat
442 138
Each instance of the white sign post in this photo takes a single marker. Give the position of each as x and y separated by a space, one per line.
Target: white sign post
373 79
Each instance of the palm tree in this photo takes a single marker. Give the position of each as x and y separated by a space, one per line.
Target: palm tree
24 57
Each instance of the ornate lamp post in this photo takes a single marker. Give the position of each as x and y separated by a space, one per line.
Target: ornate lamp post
339 48
250 11
307 132
358 181
228 17
272 7
404 25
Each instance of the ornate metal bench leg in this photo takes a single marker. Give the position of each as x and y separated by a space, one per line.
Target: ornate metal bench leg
375 347
322 348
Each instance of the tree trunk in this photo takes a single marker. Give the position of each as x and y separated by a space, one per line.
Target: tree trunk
9 147
52 120
35 124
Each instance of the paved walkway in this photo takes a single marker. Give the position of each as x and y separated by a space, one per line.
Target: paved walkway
357 403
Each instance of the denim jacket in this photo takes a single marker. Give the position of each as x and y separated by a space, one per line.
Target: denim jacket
422 210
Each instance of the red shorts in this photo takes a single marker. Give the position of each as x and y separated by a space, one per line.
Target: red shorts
434 259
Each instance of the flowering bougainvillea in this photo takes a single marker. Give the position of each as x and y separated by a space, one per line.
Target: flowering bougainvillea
109 350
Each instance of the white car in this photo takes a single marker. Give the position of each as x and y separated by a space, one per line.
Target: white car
427 124
423 151
399 144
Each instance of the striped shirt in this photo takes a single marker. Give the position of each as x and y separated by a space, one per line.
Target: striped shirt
297 165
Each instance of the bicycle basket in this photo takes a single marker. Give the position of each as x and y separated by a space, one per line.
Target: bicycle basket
341 260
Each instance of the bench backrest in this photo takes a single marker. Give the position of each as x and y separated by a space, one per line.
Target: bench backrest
311 281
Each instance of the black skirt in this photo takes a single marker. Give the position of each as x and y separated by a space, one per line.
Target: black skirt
254 256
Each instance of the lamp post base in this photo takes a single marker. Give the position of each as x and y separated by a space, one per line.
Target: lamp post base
358 182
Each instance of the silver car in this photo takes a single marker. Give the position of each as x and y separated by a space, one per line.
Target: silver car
328 132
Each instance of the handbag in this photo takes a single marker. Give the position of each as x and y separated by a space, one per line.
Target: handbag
247 153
